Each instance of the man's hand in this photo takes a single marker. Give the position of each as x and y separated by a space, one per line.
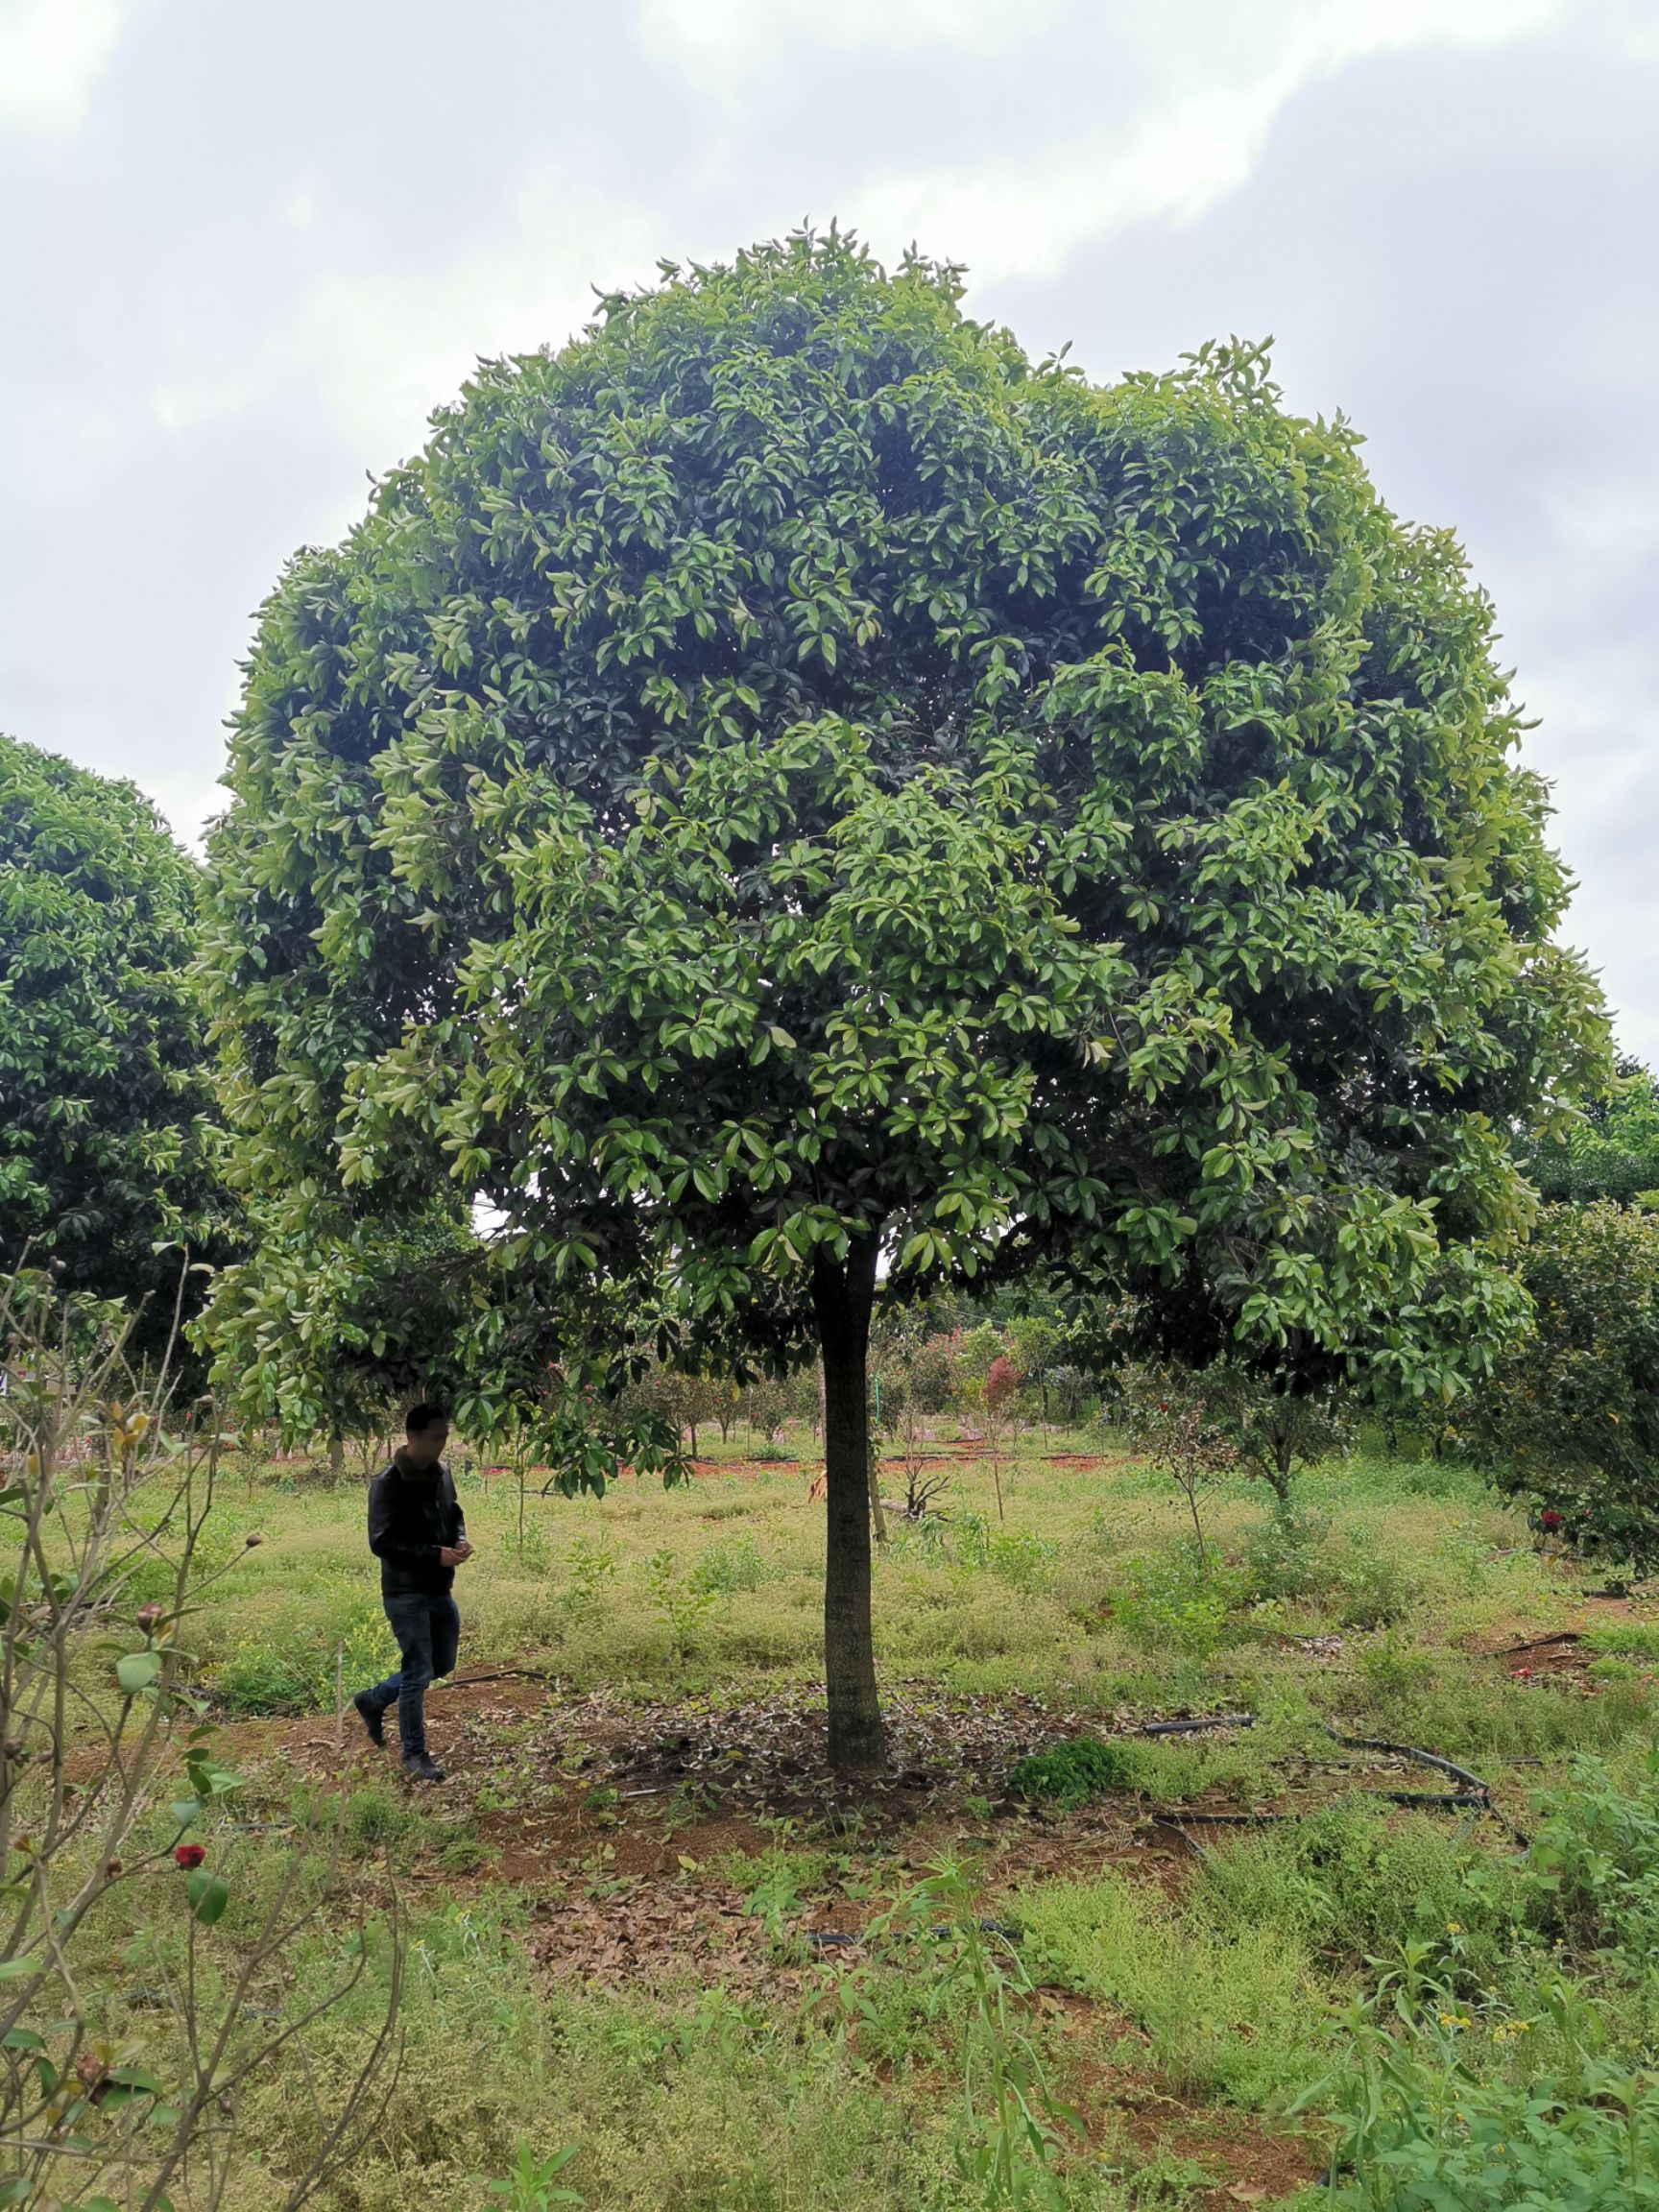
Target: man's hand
454 1554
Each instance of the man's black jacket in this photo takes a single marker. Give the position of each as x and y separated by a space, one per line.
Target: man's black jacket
410 1516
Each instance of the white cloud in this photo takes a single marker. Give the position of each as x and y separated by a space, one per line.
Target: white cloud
1215 74
1204 79
388 349
52 53
721 44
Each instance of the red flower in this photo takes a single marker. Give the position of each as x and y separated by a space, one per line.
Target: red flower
190 1854
1550 1519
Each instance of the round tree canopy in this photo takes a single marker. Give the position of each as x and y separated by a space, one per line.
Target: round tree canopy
784 772
102 1157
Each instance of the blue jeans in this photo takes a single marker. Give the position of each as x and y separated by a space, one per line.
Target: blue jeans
428 1633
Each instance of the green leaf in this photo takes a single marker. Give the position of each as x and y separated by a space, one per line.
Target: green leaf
139 1670
208 1896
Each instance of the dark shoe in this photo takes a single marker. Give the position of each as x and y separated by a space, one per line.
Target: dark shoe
420 1768
372 1717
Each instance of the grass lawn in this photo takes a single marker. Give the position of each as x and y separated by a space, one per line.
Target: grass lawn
642 1921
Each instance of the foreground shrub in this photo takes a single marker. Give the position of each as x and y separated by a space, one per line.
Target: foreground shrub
1176 1600
1427 2128
125 1838
1073 1773
1595 1859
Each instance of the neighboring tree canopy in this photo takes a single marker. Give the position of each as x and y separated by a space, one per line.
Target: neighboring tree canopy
1572 1414
784 780
104 1156
325 1333
1613 1152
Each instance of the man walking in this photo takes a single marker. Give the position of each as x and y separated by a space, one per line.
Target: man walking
416 1532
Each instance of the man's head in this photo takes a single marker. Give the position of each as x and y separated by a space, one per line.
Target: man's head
425 1432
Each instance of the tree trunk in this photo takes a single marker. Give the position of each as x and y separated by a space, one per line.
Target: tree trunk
1284 1461
841 1298
336 1458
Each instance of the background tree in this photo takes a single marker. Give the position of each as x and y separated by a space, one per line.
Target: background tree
105 1155
1173 1428
1613 1152
785 780
686 1402
1570 1416
1034 1341
330 1333
999 1398
1271 1428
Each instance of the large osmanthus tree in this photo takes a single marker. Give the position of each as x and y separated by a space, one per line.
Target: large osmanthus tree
783 792
106 1157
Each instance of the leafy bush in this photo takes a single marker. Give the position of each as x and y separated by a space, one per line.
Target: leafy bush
1571 1418
1001 1385
262 1677
1357 1882
589 1570
1427 2128
1017 1554
1073 1773
1371 1589
1614 1152
1623 1639
974 1354
1273 1427
1283 1553
1176 1599
680 1600
1068 1387
725 1568
375 1816
529 1547
1167 1413
1595 1858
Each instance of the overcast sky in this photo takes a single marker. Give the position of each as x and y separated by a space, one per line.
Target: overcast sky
248 248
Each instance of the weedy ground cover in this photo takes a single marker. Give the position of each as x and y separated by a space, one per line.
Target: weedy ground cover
648 1960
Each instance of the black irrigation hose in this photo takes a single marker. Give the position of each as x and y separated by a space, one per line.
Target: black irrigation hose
1474 1796
1434 1800
1192 1727
1471 1782
1422 1758
1425 1800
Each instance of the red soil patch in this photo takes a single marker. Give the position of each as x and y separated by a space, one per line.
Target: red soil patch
305 1746
535 1846
1259 2166
1133 2114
